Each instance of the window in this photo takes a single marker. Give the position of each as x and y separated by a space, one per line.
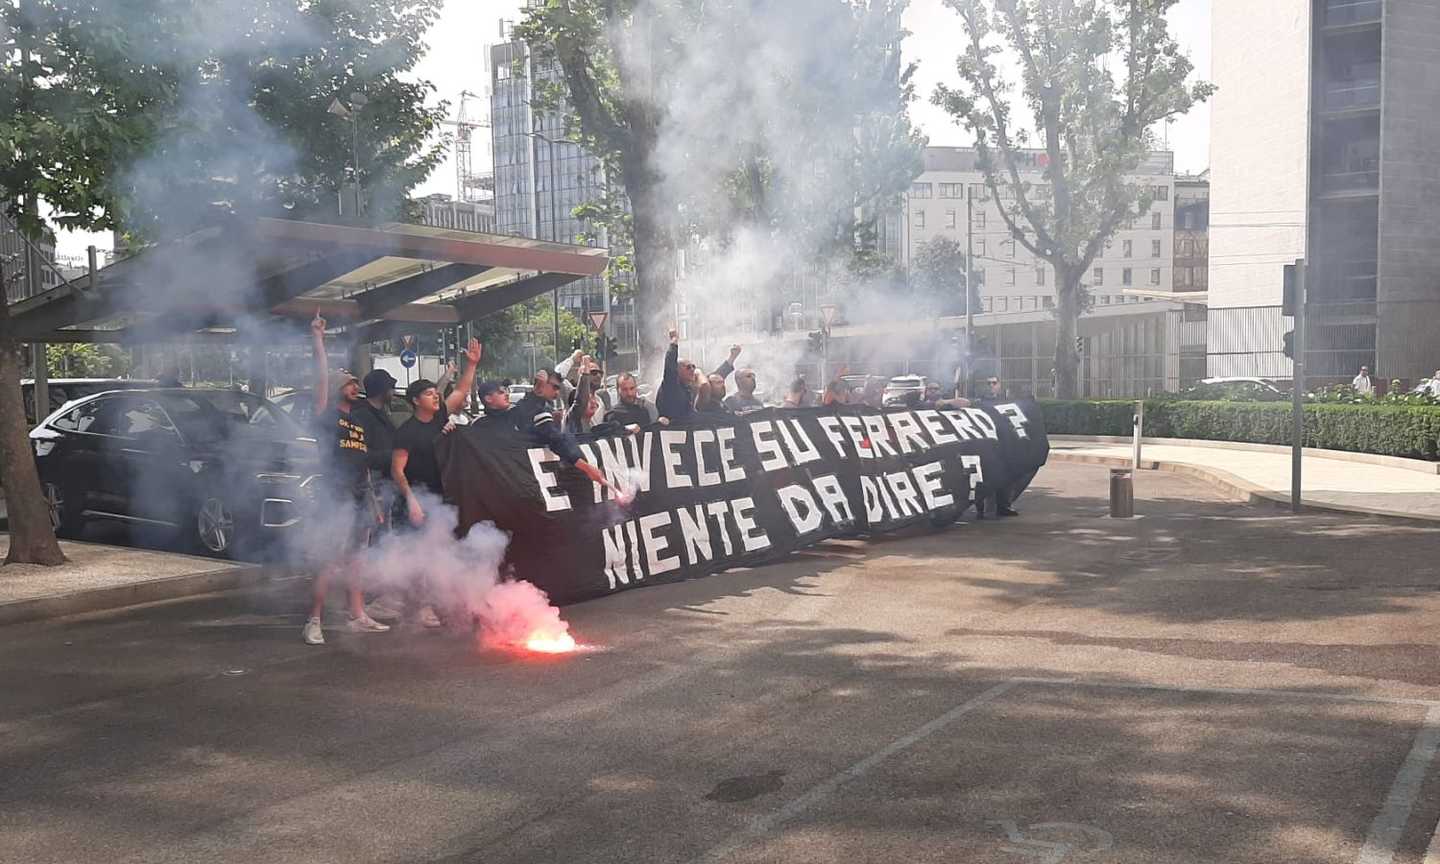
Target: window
1154 221
1048 301
1154 248
980 248
979 192
980 219
1039 275
1127 248
952 190
143 418
949 218
1098 276
1201 276
920 190
1007 247
1162 193
1010 276
1182 277
1154 275
919 218
1125 277
1189 221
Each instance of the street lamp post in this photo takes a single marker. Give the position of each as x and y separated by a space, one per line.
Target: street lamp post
554 223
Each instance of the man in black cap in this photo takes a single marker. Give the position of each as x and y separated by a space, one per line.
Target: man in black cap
374 413
533 416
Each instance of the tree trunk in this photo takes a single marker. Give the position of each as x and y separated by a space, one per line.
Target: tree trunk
1067 316
32 538
654 257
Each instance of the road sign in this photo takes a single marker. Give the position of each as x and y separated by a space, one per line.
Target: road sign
827 311
407 358
597 320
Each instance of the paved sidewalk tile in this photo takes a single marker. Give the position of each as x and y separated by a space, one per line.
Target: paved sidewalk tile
1343 484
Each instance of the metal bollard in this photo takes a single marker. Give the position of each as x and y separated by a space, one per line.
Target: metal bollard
1122 493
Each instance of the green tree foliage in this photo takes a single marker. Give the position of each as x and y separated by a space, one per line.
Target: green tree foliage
155 116
937 277
83 360
507 333
1096 76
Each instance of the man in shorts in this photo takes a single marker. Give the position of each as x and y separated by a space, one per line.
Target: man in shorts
344 489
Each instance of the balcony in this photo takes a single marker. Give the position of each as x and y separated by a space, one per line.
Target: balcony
1346 13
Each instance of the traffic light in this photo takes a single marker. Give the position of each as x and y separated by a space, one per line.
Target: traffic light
1079 344
1287 294
1289 348
817 342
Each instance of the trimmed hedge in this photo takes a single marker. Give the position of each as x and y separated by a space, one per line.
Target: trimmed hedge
1388 430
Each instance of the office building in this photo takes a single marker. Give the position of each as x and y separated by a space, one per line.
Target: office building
1335 159
950 199
541 177
13 257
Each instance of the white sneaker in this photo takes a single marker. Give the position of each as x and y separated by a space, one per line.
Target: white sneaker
384 608
366 624
313 634
428 619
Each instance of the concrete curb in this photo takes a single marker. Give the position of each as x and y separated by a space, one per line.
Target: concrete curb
1235 486
1418 465
121 596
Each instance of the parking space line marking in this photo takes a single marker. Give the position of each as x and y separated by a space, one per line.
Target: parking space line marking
1390 822
1235 691
764 824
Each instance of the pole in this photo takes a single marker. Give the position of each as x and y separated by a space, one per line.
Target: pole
355 153
969 289
554 238
1139 433
1297 394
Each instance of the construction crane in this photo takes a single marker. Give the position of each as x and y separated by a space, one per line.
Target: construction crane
469 185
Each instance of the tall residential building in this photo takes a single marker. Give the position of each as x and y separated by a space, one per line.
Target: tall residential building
541 177
444 211
1192 232
1139 257
1336 159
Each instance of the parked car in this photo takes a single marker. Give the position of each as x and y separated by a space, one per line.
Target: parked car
224 470
300 405
63 390
901 386
1239 389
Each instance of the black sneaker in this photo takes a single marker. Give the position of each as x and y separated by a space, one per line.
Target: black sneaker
1009 512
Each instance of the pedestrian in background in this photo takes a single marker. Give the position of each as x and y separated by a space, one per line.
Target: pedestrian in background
1362 383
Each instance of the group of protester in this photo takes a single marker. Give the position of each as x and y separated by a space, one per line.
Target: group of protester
378 476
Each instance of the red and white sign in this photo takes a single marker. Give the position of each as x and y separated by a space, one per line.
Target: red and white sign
597 320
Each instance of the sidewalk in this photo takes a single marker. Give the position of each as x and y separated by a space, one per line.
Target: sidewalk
108 577
1343 482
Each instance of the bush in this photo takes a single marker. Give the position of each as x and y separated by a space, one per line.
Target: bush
1391 430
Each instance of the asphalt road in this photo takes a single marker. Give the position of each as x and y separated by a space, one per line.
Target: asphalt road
1209 683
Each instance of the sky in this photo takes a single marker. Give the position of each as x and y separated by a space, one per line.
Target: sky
455 62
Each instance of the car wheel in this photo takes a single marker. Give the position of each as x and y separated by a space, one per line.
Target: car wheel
64 518
215 526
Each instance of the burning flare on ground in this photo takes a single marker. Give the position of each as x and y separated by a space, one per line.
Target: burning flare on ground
519 615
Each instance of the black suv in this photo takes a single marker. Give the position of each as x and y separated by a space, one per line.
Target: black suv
226 470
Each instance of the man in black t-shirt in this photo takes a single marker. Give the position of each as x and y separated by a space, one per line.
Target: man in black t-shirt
344 488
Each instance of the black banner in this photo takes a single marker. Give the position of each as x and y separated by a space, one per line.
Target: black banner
724 492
